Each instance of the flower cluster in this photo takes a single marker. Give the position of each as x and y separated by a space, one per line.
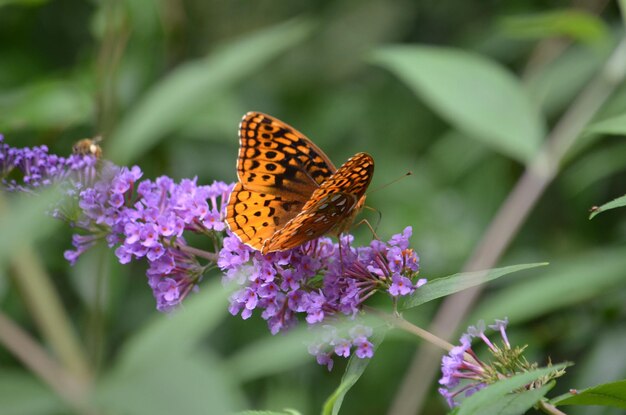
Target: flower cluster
37 168
147 219
330 342
463 373
151 220
319 280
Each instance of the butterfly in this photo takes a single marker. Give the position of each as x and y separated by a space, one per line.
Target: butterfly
289 192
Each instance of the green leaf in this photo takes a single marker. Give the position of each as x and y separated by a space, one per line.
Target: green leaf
163 362
271 355
619 202
23 220
46 104
608 394
286 412
441 287
597 165
575 24
189 87
566 283
488 400
23 2
356 367
476 95
22 394
613 126
515 403
184 382
179 332
554 85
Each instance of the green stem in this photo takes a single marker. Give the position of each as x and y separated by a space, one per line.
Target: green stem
198 252
507 222
73 390
399 322
548 408
48 312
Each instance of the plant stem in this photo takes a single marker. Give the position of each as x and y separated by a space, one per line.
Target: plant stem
548 408
503 228
71 389
48 312
198 252
401 323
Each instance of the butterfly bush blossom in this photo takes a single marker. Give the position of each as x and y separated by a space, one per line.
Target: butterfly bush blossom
150 220
146 219
284 284
464 374
38 168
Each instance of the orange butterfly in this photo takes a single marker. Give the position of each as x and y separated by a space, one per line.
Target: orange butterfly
289 192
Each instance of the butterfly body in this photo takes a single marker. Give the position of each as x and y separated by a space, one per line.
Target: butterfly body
289 192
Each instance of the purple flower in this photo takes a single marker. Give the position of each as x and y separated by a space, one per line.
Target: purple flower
319 280
145 219
149 220
400 286
342 347
464 374
38 168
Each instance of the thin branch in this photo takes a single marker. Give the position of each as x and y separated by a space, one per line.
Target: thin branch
198 252
47 310
402 324
548 408
70 388
507 222
409 327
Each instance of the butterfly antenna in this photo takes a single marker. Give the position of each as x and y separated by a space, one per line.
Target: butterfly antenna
405 175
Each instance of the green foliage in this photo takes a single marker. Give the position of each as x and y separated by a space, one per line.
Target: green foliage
578 25
46 105
619 202
476 95
464 103
572 281
189 87
21 393
611 394
355 369
497 398
441 287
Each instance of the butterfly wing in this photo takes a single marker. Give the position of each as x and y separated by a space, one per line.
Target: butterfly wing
275 158
278 170
331 207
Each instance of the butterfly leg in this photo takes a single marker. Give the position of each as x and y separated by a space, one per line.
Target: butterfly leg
340 254
378 212
366 223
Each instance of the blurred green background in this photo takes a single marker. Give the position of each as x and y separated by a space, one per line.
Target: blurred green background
166 83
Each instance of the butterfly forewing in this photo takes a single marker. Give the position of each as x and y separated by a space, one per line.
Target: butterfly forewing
275 158
254 217
289 192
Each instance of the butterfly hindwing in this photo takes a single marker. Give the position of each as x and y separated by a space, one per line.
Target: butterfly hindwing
331 208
